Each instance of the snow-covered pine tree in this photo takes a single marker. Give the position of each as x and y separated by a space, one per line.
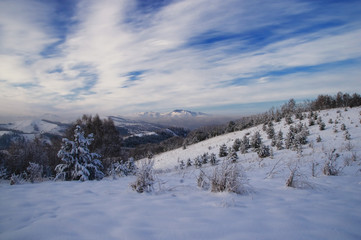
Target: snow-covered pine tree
80 163
223 150
264 151
236 144
270 132
256 141
244 144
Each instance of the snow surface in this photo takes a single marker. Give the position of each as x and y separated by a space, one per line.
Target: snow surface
325 207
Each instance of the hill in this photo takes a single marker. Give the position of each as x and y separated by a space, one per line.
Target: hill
317 206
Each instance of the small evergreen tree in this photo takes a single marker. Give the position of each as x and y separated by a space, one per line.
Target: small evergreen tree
189 162
236 144
232 155
256 141
264 151
244 145
270 132
198 162
80 163
213 159
223 150
205 158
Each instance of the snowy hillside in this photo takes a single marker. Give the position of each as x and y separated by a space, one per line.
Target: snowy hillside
330 139
316 207
35 126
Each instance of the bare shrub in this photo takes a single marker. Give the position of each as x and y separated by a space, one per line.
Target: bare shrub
330 167
228 177
202 180
297 179
348 160
275 169
145 177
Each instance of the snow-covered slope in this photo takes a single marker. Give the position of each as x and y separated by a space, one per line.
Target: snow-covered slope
330 138
321 207
35 126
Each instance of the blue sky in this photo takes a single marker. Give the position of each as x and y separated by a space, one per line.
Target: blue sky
69 57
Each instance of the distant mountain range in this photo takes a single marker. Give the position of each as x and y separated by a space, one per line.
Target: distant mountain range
178 113
139 124
177 118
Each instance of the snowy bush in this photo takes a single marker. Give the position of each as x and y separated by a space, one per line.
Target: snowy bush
213 159
205 158
80 163
3 173
35 172
228 177
264 151
145 177
202 180
330 167
232 155
123 169
198 162
223 150
17 178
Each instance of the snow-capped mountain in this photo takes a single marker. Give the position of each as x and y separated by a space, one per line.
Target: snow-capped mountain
178 118
178 113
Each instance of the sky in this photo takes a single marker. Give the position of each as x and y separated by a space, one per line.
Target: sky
70 57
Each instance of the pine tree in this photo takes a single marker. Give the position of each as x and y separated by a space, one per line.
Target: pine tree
223 150
270 132
80 163
256 141
236 144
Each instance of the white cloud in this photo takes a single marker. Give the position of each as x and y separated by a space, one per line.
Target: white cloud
111 38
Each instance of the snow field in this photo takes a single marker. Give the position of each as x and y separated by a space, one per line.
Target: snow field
324 207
